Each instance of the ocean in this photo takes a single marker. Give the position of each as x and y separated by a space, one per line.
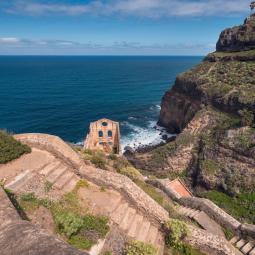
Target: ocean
61 95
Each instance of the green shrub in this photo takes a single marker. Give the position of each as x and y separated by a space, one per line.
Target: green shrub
120 162
68 223
229 234
113 157
131 173
241 206
140 248
96 223
80 242
177 231
98 160
209 166
10 148
247 117
48 186
107 253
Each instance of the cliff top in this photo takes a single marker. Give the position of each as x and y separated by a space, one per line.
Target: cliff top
238 38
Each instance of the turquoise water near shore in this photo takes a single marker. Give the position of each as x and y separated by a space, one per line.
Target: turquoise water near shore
62 95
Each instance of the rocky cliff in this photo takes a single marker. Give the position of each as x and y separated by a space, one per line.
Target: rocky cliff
212 106
225 80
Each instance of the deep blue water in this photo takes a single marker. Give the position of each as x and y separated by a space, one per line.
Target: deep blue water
62 95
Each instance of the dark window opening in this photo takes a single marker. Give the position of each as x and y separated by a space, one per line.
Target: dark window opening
100 133
109 133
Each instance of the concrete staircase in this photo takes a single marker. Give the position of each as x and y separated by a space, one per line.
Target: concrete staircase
245 246
55 172
136 225
202 219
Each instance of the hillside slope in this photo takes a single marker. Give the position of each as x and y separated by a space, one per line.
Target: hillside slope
212 106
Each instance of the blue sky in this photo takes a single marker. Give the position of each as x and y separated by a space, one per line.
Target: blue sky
116 27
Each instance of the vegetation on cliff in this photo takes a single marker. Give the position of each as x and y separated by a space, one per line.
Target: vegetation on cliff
71 219
10 148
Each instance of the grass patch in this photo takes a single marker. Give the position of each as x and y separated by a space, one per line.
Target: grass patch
71 218
241 206
209 166
150 190
131 173
140 248
10 148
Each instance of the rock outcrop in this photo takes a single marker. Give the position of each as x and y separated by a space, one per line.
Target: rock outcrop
225 80
217 95
238 38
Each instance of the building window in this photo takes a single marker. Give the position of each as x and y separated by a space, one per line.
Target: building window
109 133
100 133
110 143
101 143
105 124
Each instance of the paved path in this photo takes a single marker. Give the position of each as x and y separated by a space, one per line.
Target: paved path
32 172
128 219
202 219
247 247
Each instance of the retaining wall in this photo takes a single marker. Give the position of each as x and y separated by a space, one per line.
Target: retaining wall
211 209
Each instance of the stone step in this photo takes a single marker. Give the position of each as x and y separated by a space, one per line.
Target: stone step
194 213
247 248
57 173
115 204
143 232
252 252
240 243
135 225
60 183
152 235
189 212
118 214
70 185
20 180
235 239
127 219
46 170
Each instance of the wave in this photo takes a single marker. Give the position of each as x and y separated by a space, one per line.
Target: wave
152 135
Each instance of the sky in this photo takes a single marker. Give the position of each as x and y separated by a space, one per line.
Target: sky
116 27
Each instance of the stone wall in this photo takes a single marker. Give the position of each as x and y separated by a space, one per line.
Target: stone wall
8 214
54 145
211 244
211 209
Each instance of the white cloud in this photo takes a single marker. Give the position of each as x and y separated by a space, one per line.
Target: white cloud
8 40
139 8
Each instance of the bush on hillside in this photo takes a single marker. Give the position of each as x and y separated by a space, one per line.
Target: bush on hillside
131 173
177 231
10 148
140 248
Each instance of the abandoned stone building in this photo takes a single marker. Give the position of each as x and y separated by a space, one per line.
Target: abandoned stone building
104 135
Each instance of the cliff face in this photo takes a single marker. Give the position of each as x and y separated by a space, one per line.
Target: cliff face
238 38
212 106
225 80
